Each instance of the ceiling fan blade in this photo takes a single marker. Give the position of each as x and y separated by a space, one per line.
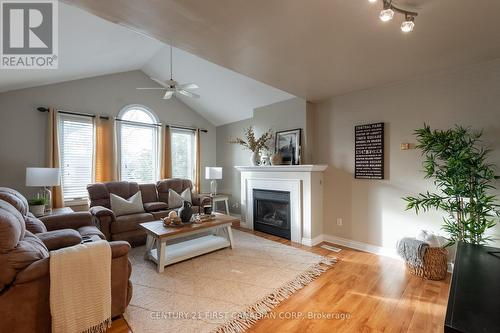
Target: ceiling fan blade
160 82
151 88
168 95
188 86
188 93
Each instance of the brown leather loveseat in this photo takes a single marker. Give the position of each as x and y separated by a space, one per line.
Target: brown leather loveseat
25 242
155 202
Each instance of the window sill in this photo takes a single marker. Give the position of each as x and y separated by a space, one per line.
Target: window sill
77 202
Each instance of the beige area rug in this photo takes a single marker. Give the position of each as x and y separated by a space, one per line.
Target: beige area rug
223 291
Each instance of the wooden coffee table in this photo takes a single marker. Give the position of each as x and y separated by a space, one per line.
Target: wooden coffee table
157 250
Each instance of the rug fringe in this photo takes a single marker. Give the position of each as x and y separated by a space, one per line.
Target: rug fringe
253 313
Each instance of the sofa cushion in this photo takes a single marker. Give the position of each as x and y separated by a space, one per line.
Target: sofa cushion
176 184
15 198
34 225
155 206
28 250
175 200
58 239
121 206
12 226
99 193
161 214
90 231
149 193
130 222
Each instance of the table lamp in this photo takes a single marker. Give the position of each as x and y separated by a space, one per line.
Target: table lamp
213 173
43 177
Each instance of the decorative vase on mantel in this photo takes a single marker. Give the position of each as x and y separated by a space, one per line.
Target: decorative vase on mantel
255 158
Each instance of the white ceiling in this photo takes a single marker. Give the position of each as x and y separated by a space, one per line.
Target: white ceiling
90 46
317 49
226 96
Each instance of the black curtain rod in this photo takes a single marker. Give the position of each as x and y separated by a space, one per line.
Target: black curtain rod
43 109
188 128
136 122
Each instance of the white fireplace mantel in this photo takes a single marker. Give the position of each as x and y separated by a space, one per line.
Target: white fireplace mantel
284 168
305 184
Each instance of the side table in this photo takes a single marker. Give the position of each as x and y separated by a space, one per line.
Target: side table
58 211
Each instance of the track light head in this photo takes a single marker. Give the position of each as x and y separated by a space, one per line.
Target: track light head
386 15
409 24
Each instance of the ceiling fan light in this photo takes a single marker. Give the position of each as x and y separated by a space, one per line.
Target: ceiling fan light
386 15
407 26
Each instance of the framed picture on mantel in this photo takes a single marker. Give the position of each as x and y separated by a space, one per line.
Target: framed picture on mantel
288 145
369 151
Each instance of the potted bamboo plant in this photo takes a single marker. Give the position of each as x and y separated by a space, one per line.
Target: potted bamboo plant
457 160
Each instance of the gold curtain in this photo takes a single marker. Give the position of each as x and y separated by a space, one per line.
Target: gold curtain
166 153
197 166
105 150
53 160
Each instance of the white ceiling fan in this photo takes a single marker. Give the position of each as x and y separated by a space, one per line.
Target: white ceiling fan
173 87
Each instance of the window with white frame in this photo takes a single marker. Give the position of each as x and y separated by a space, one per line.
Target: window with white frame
138 141
76 141
183 159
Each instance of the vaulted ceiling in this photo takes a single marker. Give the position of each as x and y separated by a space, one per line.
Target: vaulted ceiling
91 46
316 49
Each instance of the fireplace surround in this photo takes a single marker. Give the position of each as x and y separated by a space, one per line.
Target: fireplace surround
305 185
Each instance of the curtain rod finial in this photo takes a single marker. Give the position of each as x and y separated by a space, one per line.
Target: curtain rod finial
42 109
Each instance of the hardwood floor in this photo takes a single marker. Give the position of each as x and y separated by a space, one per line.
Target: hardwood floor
363 292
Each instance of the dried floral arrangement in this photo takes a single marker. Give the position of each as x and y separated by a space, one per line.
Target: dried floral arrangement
251 143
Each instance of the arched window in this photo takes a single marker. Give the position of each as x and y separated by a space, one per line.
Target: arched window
138 141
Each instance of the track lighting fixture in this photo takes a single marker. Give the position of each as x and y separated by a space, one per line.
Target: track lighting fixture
390 9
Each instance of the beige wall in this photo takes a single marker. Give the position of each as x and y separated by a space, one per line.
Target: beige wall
372 210
23 129
289 114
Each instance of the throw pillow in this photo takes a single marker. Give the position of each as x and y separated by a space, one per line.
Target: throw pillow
175 199
122 206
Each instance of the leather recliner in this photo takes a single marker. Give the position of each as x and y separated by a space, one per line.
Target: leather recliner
25 242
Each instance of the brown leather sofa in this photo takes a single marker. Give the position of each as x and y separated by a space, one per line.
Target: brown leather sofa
155 201
25 242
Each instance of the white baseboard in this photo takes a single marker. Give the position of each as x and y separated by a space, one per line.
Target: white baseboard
379 250
383 251
312 241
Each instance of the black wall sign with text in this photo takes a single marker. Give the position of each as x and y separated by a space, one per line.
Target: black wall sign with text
369 151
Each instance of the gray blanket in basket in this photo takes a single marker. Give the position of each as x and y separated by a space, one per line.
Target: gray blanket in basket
412 251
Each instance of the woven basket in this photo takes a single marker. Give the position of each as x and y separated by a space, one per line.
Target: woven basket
435 264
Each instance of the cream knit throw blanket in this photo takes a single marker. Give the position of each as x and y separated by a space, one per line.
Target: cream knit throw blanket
80 288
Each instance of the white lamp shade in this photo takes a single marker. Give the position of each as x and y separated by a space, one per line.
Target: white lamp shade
42 177
213 172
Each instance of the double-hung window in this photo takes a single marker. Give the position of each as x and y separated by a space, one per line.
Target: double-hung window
138 138
76 141
183 156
